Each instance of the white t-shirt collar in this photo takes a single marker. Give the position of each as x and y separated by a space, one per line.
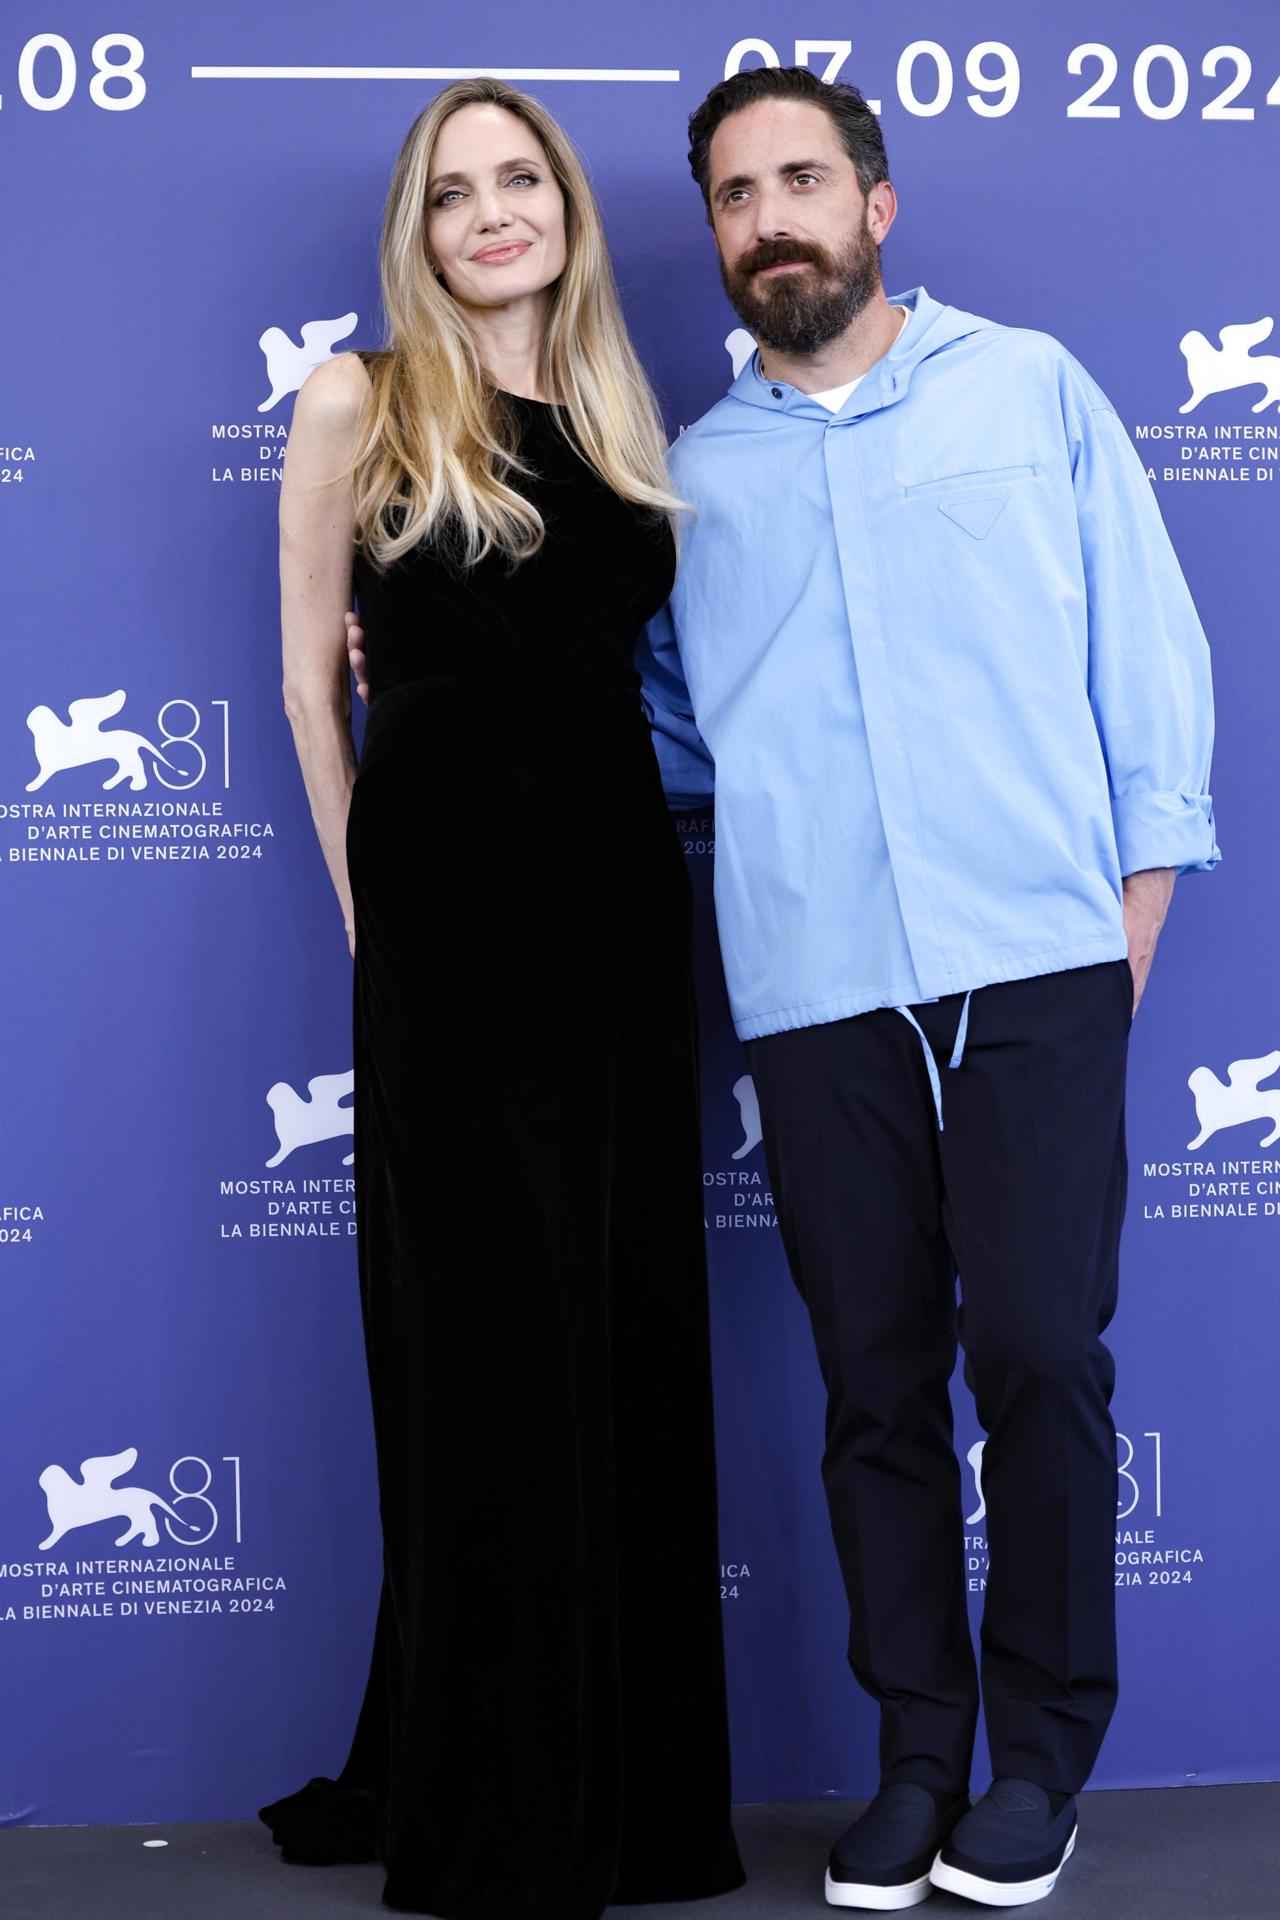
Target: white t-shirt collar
833 398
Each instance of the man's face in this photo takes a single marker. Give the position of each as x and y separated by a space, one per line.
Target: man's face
799 243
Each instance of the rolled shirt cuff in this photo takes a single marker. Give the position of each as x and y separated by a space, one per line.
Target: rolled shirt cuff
1164 829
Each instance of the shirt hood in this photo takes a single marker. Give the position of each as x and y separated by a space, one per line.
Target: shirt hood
931 329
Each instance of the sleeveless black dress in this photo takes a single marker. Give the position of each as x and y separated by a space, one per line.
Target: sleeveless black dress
544 1726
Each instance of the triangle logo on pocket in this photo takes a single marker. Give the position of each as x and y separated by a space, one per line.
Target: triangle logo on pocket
977 513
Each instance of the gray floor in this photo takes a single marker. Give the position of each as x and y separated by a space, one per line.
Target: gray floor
1192 1853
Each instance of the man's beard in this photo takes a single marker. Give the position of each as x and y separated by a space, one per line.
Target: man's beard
801 312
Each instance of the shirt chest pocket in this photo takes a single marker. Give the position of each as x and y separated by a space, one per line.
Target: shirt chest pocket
973 501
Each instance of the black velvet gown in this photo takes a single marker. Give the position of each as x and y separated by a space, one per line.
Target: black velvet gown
544 1727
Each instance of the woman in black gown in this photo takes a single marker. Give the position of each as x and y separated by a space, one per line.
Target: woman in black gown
543 1730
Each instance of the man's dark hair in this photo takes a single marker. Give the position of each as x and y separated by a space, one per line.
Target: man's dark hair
853 120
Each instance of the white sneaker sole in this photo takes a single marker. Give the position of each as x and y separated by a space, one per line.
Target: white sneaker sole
999 1893
852 1893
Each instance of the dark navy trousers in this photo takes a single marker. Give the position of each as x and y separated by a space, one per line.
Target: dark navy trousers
1021 1194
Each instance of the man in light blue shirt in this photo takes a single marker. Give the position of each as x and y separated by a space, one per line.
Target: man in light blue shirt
930 644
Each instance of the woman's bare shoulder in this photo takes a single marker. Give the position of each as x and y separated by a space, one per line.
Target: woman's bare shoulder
328 419
334 393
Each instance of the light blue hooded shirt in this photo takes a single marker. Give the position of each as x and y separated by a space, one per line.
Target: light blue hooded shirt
936 658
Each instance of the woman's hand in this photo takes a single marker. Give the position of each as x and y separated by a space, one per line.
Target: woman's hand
355 654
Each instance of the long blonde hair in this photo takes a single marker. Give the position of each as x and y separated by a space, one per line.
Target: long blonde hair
440 440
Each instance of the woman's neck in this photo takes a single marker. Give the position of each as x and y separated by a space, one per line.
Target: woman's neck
509 341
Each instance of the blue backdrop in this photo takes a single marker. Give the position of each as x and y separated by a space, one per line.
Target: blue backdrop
176 1233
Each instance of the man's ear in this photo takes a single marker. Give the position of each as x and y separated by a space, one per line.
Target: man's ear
882 210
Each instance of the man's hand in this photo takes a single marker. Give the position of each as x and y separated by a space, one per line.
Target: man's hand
1146 902
359 665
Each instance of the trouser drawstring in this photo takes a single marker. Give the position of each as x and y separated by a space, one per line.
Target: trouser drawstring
962 1031
957 1052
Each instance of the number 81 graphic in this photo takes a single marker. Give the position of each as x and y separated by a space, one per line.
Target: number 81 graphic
176 736
1129 1492
1129 1488
200 1495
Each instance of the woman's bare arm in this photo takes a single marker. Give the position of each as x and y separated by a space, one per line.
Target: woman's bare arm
317 536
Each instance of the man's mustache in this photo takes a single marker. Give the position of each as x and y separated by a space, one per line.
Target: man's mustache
771 253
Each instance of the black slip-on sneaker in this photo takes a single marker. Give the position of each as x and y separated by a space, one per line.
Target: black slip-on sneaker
1010 1847
883 1860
